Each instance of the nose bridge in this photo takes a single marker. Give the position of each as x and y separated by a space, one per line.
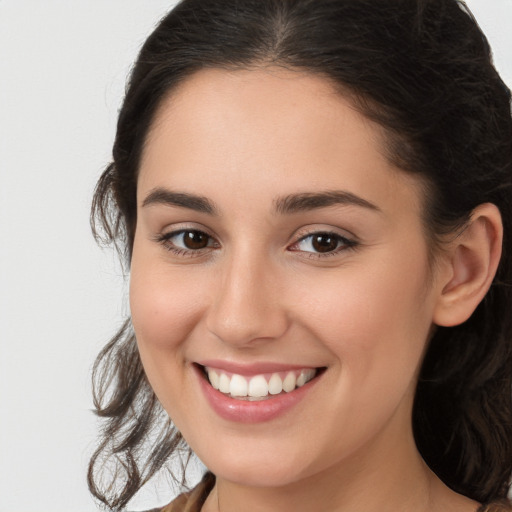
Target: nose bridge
246 306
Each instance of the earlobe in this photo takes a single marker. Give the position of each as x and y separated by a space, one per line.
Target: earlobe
470 268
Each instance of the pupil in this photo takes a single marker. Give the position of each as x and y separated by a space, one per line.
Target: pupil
195 240
325 243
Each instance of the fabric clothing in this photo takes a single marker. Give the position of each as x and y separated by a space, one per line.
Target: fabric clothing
193 500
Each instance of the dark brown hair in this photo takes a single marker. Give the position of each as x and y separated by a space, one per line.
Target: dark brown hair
423 70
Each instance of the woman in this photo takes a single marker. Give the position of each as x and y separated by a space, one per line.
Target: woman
314 198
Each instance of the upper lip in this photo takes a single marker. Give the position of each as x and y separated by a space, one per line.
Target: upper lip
251 368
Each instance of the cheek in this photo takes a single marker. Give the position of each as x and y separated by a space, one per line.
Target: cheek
374 322
375 326
166 306
165 303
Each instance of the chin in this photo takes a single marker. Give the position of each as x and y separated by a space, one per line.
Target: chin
258 469
258 476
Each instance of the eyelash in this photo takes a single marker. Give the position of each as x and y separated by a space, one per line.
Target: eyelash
166 240
342 243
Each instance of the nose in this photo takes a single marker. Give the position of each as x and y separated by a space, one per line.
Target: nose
247 307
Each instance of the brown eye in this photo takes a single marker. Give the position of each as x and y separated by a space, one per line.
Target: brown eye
187 241
324 242
195 240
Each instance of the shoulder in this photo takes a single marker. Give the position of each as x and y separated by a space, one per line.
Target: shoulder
193 500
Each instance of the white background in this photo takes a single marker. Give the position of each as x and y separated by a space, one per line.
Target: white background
63 64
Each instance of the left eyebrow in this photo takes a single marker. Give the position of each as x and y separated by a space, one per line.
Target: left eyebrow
181 200
305 201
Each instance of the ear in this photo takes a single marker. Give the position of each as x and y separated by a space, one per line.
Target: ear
470 266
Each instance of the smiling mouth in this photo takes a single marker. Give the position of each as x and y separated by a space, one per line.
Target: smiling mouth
259 387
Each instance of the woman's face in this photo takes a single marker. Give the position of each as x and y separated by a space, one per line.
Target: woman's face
276 244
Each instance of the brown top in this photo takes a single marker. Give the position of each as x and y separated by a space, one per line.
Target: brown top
193 500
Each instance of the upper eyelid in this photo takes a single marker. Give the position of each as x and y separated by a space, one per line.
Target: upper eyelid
325 232
165 236
350 242
177 228
302 233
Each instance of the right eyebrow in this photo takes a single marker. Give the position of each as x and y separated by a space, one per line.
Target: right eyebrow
305 201
181 199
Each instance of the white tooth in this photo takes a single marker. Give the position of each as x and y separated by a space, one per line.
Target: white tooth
213 376
305 376
238 386
224 381
301 379
258 386
289 382
275 384
310 374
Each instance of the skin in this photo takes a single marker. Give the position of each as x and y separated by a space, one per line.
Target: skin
259 292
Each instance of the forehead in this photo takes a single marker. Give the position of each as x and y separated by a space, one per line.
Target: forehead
263 104
282 129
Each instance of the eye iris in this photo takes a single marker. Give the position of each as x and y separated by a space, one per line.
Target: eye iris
324 243
195 240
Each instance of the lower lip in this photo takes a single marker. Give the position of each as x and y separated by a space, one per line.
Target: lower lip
244 411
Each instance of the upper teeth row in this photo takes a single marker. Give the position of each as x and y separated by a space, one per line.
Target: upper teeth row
258 385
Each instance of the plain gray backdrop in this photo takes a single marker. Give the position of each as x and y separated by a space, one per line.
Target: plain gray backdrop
63 66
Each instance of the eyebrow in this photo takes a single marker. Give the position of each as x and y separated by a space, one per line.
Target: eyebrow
180 199
292 203
305 201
